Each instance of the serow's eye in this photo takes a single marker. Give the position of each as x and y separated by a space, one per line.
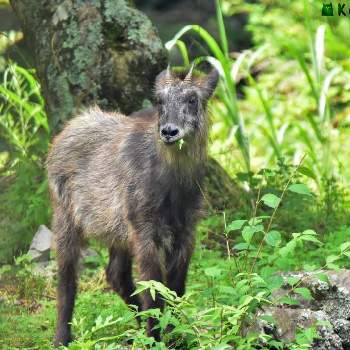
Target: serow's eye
192 101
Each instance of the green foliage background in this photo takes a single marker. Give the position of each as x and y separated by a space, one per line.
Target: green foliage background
280 129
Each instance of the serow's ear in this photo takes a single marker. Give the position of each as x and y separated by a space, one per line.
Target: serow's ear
209 83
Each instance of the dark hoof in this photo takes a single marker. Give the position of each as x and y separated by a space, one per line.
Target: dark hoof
169 328
155 334
152 329
62 338
176 342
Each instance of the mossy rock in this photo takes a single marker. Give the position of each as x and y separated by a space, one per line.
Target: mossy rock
91 52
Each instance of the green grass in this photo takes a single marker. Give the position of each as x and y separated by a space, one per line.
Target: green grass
21 329
213 285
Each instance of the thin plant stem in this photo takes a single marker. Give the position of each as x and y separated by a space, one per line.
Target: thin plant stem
229 251
254 217
274 213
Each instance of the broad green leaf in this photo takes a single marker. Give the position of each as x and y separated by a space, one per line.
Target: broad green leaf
287 249
212 271
333 266
331 258
268 318
275 282
292 280
310 267
258 220
271 200
307 172
228 290
322 277
311 239
344 246
273 238
309 232
235 225
300 189
241 246
304 292
248 232
221 347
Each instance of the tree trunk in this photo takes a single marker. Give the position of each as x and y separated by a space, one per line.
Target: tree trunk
91 51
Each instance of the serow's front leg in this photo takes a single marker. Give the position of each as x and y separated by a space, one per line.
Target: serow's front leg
177 263
150 268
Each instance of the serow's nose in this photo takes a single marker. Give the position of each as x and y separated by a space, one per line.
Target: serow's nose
169 132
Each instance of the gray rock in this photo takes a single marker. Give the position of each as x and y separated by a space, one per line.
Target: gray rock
41 244
88 252
45 268
88 258
331 305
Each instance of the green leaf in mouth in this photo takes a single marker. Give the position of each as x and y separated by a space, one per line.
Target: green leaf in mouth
180 143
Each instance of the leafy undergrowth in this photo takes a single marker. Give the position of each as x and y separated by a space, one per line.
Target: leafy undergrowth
224 291
24 138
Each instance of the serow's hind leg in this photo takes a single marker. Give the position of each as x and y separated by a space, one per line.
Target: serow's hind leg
68 249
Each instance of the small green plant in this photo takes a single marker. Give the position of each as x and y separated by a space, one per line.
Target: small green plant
31 286
24 129
23 122
24 283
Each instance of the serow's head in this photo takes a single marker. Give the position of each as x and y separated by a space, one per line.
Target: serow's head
181 101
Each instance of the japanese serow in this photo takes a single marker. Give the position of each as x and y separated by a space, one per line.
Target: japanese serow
135 183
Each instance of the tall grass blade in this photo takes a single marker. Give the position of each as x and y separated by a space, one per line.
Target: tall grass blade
222 30
269 116
237 65
319 51
184 53
209 40
301 60
324 92
224 65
